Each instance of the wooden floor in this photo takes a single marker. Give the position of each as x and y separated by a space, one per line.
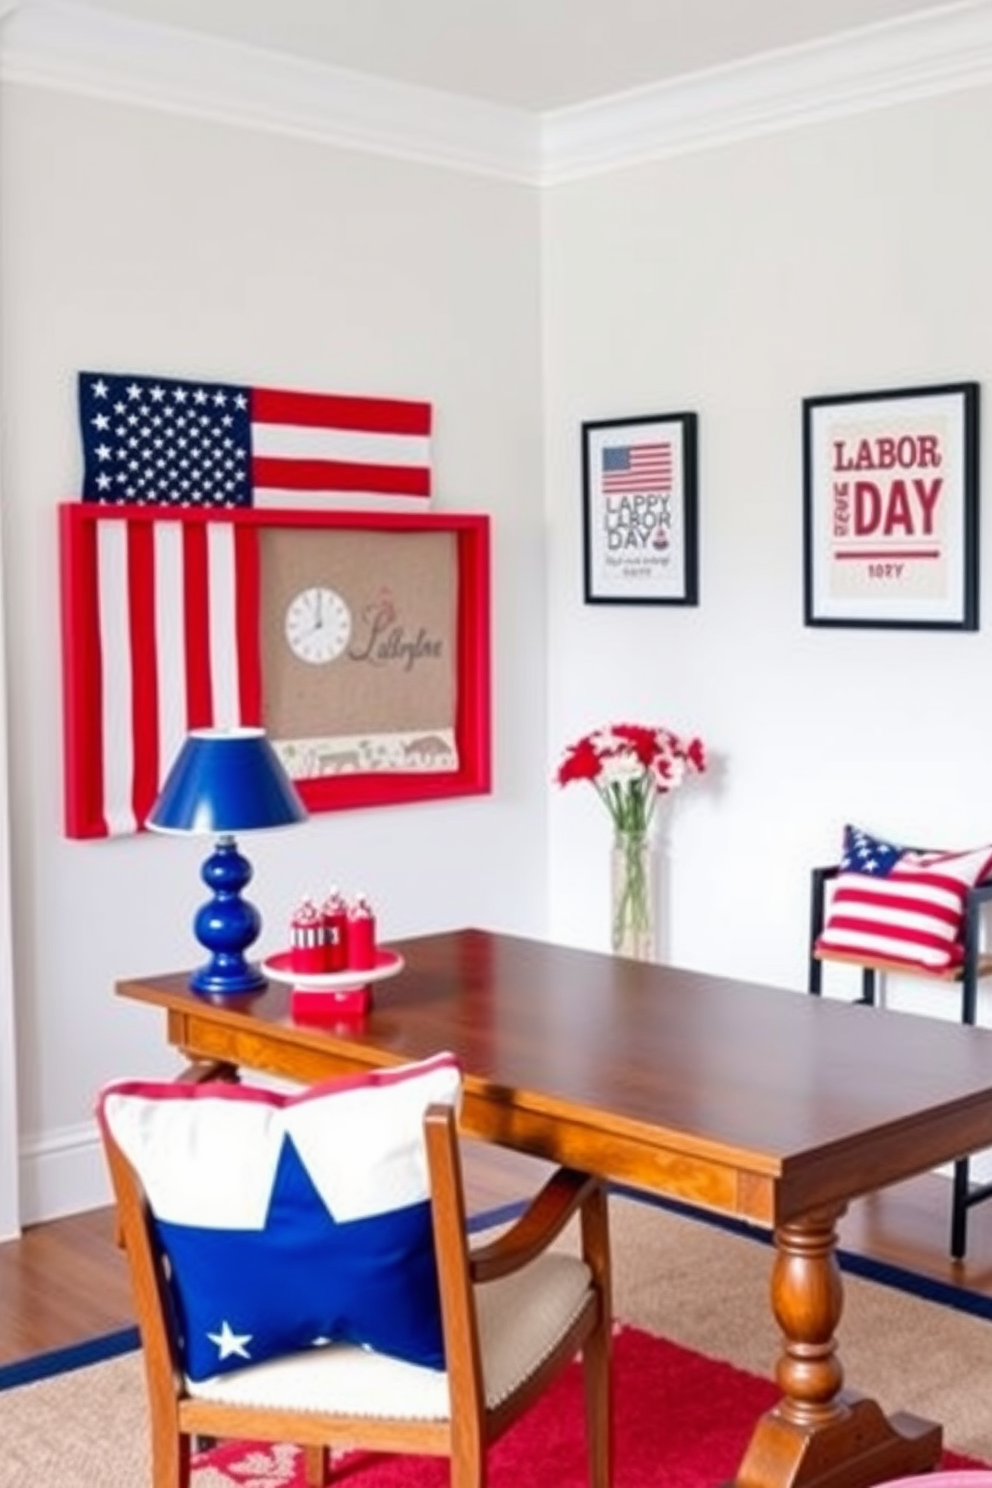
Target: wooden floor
65 1282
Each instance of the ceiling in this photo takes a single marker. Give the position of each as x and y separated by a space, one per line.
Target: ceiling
537 55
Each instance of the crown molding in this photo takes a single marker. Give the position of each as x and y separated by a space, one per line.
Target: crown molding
78 48
934 52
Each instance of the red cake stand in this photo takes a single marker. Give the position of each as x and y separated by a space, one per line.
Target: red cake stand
324 997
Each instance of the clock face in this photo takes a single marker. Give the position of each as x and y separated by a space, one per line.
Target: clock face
318 625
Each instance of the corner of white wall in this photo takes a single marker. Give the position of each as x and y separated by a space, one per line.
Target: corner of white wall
63 1173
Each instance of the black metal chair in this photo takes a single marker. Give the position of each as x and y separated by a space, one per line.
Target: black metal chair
975 965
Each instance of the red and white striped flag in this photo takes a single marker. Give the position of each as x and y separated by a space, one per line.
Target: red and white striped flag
162 441
630 469
160 622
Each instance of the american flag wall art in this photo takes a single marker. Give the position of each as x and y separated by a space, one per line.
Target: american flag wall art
188 442
632 468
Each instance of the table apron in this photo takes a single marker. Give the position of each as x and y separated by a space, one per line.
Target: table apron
620 1157
623 1156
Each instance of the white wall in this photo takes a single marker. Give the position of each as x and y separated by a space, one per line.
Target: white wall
137 240
833 258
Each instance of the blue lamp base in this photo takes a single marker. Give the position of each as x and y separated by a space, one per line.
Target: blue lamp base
227 925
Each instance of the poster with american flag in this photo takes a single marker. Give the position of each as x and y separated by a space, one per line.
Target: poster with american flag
189 442
639 510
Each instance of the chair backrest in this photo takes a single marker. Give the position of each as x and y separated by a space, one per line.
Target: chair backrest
472 1422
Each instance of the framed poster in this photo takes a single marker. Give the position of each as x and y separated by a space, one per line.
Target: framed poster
890 508
639 510
358 640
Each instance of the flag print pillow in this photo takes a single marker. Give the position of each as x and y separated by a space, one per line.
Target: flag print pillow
902 905
291 1220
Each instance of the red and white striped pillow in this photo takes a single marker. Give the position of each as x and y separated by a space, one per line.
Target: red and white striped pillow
913 915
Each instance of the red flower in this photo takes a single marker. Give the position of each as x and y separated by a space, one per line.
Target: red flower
643 741
629 765
580 763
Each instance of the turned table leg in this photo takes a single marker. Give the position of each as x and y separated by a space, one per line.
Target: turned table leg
820 1435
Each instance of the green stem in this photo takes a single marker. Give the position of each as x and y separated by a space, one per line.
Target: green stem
632 908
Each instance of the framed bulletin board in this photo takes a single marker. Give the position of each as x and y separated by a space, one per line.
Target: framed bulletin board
359 641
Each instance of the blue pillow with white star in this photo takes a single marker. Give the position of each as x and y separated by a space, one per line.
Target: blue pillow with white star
291 1220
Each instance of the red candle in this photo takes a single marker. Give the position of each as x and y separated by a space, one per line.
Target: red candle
336 930
308 948
361 935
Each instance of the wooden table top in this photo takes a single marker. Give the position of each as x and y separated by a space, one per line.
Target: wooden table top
754 1100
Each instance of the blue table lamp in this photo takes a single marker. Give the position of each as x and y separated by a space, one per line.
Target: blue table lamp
225 781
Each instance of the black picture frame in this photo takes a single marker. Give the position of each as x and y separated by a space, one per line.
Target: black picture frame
890 508
640 510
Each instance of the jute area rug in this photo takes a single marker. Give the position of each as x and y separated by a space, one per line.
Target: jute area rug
692 1283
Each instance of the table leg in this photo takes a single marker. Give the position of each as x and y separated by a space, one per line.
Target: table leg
820 1435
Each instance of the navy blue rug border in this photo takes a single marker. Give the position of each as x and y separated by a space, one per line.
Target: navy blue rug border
76 1356
944 1293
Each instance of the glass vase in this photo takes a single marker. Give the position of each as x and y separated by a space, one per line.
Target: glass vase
632 908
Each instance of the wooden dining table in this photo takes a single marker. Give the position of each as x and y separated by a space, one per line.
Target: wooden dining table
740 1099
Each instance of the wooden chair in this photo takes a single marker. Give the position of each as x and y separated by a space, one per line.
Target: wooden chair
975 965
514 1314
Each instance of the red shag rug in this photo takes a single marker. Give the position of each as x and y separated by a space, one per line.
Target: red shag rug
681 1420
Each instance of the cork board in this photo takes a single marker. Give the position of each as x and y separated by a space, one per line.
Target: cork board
385 700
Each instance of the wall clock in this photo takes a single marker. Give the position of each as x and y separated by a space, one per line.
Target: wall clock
318 625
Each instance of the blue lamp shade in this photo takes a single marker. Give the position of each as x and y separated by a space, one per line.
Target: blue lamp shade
225 781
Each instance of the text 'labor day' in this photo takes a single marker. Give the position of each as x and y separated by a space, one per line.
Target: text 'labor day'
641 521
886 487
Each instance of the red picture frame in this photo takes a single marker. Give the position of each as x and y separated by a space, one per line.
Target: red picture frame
113 752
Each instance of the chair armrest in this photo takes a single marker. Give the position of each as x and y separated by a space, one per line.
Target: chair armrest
562 1196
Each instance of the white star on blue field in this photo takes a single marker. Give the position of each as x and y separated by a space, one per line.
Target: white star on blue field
866 854
247 1295
163 441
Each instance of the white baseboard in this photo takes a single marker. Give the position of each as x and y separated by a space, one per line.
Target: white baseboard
63 1173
